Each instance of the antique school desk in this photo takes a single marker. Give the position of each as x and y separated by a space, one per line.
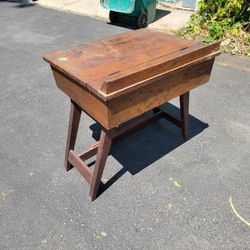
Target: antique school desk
116 79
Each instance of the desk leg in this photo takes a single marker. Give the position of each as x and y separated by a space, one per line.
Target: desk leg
184 104
74 119
102 154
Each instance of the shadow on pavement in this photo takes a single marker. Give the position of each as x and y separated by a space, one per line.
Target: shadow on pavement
124 25
132 24
19 5
161 13
148 145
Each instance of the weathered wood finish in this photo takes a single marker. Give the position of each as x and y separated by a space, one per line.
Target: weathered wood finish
81 95
112 55
84 170
74 119
173 85
184 106
119 78
120 109
143 74
123 64
89 153
102 154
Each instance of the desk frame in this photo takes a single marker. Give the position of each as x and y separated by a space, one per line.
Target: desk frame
102 147
116 79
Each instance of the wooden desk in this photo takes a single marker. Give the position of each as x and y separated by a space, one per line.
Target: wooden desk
119 78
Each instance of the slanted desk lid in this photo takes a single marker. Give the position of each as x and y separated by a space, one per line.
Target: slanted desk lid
109 66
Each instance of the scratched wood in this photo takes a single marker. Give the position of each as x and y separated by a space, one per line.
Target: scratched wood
143 99
118 78
112 55
91 104
131 78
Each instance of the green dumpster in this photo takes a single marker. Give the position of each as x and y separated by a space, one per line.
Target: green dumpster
138 12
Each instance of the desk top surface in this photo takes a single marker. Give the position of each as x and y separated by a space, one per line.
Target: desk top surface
110 65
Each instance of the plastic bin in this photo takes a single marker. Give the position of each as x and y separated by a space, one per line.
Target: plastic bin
190 4
139 12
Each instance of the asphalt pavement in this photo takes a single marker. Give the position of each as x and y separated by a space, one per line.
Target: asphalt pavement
162 193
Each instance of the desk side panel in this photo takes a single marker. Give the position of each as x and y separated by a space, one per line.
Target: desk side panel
157 93
80 95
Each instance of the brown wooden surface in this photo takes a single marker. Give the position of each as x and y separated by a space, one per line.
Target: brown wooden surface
81 166
92 105
101 148
157 93
116 79
121 61
119 78
112 55
89 153
184 107
74 119
122 108
142 74
101 157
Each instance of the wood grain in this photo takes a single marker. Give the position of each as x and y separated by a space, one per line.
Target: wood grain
119 78
101 157
112 55
146 98
88 102
157 67
74 120
84 170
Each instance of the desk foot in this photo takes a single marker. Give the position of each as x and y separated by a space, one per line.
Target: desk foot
101 157
93 177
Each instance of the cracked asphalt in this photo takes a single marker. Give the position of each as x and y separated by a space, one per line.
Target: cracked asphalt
165 193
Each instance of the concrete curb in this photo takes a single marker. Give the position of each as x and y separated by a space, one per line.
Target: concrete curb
167 19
